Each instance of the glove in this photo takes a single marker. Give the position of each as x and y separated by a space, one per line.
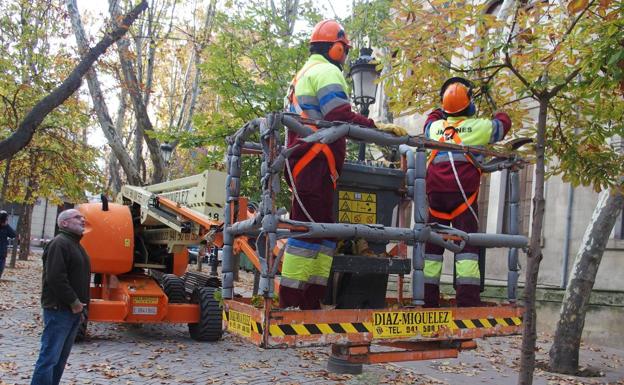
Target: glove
391 128
360 247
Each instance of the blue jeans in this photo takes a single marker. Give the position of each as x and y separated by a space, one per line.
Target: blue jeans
59 331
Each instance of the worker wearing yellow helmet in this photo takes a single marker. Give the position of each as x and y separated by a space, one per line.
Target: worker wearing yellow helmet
319 91
453 185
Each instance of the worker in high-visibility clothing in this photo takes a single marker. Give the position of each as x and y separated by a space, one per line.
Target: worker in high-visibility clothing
318 91
453 186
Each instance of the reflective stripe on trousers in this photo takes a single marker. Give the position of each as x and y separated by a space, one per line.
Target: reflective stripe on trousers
466 269
319 272
306 263
298 258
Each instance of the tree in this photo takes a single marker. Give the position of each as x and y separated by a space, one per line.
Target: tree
607 64
538 58
27 127
156 71
564 352
248 66
54 161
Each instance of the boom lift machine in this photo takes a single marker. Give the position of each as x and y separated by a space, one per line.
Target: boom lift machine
138 250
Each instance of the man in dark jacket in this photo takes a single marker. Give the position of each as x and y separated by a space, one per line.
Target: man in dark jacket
6 232
64 295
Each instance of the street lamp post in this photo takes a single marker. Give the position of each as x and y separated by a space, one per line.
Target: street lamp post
364 75
165 151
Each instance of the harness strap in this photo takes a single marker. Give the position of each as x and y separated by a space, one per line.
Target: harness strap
317 147
311 154
457 211
451 133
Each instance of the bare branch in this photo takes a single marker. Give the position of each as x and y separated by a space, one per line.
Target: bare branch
555 90
518 75
26 129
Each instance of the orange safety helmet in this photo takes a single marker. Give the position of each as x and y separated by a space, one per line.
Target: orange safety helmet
456 94
330 31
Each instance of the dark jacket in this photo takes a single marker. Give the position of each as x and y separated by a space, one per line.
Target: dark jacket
66 272
5 232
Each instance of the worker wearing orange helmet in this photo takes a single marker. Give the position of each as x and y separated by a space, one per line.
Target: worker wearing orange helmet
453 185
318 91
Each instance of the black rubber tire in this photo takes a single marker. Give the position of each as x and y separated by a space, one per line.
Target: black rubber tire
173 286
213 282
342 366
210 325
81 336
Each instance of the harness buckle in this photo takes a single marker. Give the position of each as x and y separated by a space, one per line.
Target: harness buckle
449 133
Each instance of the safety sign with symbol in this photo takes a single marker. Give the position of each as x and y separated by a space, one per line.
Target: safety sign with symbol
357 207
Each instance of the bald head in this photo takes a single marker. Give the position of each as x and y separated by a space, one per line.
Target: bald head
71 220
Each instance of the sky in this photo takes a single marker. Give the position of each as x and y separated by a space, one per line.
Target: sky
98 11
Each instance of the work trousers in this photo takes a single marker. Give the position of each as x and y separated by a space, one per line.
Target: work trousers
467 274
307 262
2 264
59 332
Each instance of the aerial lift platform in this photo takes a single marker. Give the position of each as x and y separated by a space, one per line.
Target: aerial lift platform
139 255
365 327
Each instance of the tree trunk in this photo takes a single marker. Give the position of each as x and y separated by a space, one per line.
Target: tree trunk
5 180
187 108
564 352
27 127
16 240
144 123
534 257
23 232
108 128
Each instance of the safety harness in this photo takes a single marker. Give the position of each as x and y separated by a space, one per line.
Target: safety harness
316 147
450 133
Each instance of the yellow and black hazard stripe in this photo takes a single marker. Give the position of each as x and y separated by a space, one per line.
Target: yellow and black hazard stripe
280 330
319 329
486 322
199 204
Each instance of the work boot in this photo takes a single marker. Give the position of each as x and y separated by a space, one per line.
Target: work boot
312 297
432 295
289 297
468 295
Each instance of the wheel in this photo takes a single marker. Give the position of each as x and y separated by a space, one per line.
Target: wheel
342 366
173 286
210 325
213 282
81 336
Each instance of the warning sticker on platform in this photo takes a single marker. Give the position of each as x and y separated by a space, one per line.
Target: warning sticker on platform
357 207
144 310
145 300
409 324
239 323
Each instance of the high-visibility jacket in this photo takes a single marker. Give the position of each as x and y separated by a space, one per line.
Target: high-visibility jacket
317 89
471 132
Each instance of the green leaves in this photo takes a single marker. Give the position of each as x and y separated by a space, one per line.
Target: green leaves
248 66
57 163
574 61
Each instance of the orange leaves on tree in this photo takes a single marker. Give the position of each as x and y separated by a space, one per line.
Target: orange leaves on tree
576 6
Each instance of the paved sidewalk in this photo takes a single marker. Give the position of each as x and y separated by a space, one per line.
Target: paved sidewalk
165 354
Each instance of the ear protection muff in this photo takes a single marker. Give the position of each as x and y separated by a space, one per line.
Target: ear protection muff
471 110
337 52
